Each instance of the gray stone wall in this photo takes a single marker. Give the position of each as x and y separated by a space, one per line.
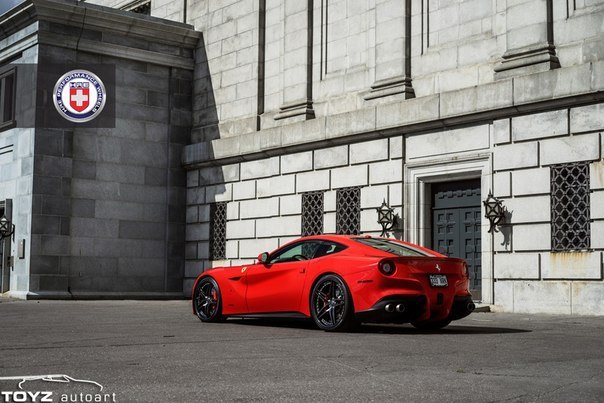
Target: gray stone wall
17 150
107 200
105 204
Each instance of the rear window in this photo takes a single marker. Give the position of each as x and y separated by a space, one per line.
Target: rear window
391 247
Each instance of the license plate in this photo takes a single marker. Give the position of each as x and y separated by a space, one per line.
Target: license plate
438 280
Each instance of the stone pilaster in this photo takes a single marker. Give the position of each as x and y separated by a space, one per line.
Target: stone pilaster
297 61
530 40
393 50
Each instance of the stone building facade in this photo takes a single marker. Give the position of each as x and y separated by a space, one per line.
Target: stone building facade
423 104
97 211
306 115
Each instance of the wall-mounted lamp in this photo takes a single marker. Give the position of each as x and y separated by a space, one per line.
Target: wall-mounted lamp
494 211
386 218
6 228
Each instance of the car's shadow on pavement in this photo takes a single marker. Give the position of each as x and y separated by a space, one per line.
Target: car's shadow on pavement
366 328
451 329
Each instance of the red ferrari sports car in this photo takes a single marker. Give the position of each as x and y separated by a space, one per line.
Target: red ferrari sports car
339 281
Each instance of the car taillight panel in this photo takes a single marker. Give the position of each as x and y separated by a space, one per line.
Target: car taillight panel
387 267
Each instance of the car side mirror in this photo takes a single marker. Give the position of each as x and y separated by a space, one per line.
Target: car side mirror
263 257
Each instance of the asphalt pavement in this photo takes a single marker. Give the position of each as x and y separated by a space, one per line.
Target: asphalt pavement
157 351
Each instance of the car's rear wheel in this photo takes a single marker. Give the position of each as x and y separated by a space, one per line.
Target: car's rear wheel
331 304
207 300
430 326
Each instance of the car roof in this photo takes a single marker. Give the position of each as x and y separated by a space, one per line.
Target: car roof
332 237
348 240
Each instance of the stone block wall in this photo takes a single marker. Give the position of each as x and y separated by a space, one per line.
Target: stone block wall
226 77
256 54
126 225
107 204
17 151
264 197
530 277
106 214
576 32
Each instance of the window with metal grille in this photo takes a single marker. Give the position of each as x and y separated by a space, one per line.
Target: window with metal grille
348 211
312 213
218 231
7 99
570 207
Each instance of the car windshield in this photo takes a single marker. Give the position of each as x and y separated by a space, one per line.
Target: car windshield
391 247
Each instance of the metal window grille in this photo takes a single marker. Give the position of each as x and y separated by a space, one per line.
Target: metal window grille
348 211
570 207
218 231
312 213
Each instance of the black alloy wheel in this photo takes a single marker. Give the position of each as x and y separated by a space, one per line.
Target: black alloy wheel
331 304
207 300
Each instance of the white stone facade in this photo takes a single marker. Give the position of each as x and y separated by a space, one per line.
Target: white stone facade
530 277
394 97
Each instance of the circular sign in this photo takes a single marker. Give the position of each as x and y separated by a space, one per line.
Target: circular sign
79 96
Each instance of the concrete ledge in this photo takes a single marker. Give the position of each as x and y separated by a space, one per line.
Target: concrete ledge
480 104
19 42
83 15
483 308
110 49
116 21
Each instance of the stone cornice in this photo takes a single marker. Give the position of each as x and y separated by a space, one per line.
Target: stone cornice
15 44
16 19
123 52
559 88
99 18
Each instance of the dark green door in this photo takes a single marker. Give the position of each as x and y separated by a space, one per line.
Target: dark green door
456 225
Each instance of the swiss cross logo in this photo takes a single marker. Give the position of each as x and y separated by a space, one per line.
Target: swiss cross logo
79 96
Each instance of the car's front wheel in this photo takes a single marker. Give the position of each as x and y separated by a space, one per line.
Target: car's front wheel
331 304
207 300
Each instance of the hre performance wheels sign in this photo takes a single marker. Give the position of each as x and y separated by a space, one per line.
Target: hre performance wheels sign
79 96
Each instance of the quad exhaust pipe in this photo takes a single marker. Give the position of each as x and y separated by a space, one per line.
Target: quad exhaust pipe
470 307
398 308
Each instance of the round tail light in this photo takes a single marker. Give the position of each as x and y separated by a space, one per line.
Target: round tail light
387 267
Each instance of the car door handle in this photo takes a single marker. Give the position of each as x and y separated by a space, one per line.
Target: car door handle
303 270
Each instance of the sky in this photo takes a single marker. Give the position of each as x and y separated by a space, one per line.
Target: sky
6 5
